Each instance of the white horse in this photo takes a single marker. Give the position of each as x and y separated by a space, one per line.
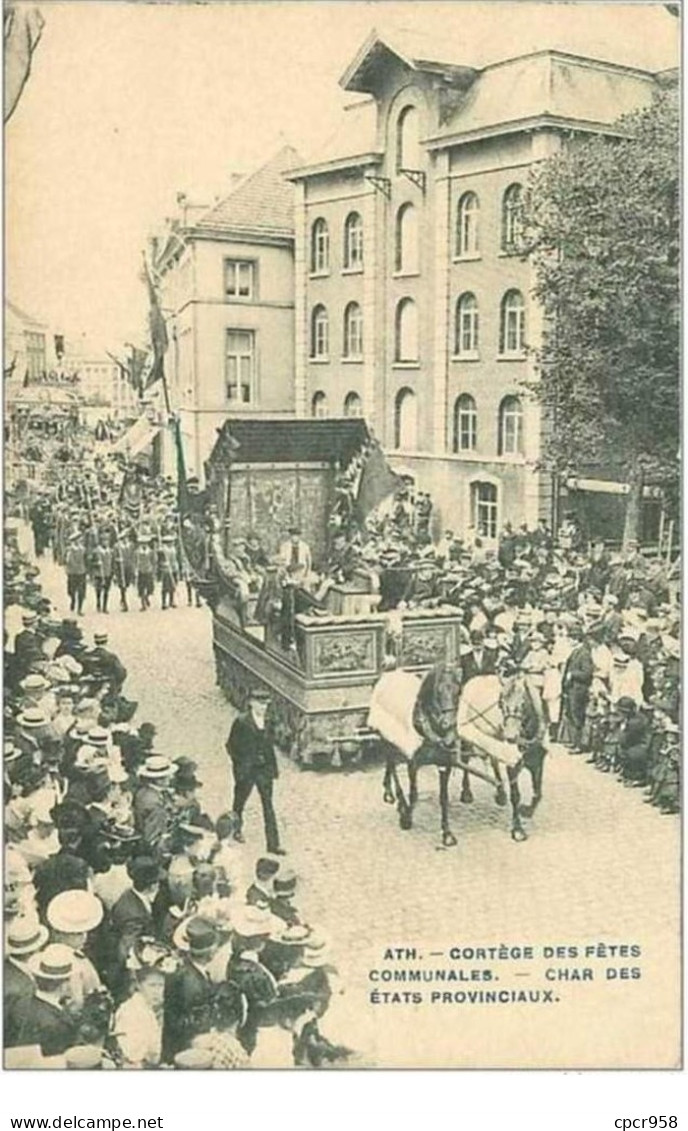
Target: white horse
499 718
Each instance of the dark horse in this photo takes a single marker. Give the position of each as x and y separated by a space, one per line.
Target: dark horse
499 718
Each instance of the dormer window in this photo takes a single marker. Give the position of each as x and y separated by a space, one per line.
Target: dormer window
408 139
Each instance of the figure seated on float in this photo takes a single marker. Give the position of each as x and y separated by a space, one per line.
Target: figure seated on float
246 576
348 586
424 586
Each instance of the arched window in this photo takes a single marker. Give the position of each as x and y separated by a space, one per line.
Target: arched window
465 424
408 134
406 331
406 420
484 509
512 217
353 330
510 427
512 323
406 239
467 225
466 325
353 406
320 247
319 404
320 332
353 242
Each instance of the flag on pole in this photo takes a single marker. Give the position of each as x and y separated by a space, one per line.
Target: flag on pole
137 364
377 482
158 329
21 32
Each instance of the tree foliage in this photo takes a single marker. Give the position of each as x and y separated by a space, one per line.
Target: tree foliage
601 226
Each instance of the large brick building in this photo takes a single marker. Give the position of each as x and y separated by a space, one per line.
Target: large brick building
411 306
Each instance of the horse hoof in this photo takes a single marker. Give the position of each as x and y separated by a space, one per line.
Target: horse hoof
405 823
449 840
519 834
466 799
388 798
500 797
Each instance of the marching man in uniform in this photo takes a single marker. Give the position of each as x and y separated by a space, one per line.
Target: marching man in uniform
75 566
144 566
168 568
123 568
101 572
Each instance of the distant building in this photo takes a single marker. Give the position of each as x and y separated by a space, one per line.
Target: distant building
226 279
27 346
411 307
103 385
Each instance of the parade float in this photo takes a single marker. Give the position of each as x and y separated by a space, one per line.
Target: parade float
320 649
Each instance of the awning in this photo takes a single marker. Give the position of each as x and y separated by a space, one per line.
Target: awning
137 438
610 487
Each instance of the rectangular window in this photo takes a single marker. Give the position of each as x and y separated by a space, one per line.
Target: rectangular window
240 364
240 278
467 431
35 353
485 509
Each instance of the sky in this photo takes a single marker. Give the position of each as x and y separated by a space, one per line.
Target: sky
130 103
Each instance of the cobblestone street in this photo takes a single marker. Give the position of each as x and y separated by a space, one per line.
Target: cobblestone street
599 866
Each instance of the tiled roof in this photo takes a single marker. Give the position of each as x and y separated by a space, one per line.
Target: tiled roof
290 441
263 202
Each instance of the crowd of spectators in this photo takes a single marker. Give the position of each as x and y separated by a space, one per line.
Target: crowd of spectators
139 932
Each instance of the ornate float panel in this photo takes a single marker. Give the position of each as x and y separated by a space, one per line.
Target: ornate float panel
321 691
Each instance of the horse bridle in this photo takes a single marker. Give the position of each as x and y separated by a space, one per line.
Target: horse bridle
481 715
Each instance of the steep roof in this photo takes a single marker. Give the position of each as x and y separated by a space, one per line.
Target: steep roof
417 50
261 440
262 203
572 64
469 37
22 316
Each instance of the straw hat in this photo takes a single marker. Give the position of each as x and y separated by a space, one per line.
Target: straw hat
157 767
74 912
25 936
54 964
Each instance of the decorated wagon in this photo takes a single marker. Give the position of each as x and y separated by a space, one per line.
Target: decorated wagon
318 647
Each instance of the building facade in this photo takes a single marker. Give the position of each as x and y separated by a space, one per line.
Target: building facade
412 306
27 346
104 386
226 284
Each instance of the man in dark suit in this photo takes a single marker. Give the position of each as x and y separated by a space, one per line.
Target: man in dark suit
27 644
42 1019
131 917
482 659
107 663
254 764
151 809
575 685
25 937
189 992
